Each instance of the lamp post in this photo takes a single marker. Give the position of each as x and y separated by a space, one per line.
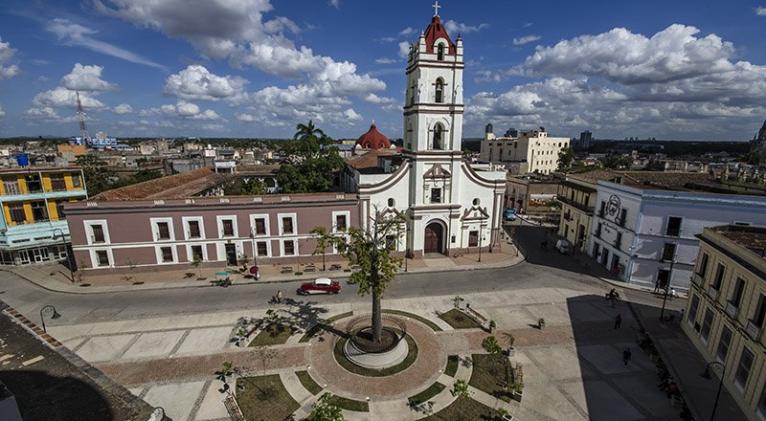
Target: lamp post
54 316
706 374
68 257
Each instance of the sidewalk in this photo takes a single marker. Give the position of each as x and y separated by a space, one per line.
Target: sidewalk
55 277
686 366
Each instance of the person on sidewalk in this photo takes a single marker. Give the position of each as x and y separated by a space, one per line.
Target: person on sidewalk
618 321
279 296
626 355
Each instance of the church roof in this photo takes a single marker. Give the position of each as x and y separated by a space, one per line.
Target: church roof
435 31
373 139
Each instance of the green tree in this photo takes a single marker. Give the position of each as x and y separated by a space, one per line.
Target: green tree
490 345
326 410
196 262
566 156
460 389
617 162
377 263
98 177
312 162
323 241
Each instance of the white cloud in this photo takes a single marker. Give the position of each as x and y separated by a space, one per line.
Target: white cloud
182 109
760 10
72 34
525 39
63 97
196 82
335 3
461 28
379 100
386 60
237 30
673 83
2 112
86 78
43 113
7 71
122 109
407 31
404 49
352 116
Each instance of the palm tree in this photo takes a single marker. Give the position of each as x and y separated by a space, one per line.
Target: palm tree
305 130
324 240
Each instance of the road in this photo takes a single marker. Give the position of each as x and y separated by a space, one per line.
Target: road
544 268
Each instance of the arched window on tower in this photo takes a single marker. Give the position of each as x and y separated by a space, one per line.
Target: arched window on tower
438 137
440 52
439 90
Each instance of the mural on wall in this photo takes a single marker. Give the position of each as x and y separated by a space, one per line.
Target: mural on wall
613 206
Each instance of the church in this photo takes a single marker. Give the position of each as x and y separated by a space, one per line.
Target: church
446 205
450 206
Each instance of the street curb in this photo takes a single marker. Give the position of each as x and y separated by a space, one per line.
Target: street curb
345 276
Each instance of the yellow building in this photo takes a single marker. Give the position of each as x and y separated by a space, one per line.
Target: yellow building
33 228
726 311
577 195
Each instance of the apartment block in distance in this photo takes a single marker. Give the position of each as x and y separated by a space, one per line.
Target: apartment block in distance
726 311
532 150
33 228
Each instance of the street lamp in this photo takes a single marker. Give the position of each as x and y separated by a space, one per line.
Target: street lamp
68 257
54 316
706 374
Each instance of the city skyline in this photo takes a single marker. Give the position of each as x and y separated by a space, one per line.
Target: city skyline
256 68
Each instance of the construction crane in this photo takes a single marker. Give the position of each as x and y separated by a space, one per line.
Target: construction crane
81 117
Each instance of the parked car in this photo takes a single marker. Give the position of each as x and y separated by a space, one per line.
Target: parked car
320 286
509 214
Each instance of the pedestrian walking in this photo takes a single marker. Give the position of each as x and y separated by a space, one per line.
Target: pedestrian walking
279 297
626 355
618 321
656 286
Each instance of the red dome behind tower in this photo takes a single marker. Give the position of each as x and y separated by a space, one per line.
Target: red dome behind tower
373 139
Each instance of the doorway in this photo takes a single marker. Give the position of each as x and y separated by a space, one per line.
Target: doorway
434 238
231 254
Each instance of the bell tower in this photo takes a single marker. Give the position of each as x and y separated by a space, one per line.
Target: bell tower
433 109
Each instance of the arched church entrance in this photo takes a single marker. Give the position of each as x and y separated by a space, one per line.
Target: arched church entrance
434 238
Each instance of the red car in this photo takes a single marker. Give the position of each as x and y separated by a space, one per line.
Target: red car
320 286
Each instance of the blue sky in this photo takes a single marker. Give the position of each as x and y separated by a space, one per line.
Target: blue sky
680 69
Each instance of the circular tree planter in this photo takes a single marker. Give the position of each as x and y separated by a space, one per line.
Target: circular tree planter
361 350
370 365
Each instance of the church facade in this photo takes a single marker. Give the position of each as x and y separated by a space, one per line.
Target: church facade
449 206
446 205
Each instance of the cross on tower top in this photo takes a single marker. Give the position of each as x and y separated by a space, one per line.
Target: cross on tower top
436 7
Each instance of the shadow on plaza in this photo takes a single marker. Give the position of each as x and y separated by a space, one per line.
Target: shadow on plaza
530 239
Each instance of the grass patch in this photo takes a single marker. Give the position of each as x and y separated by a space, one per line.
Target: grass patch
452 364
458 320
465 409
489 373
340 357
423 320
427 394
264 398
273 334
350 404
308 382
314 330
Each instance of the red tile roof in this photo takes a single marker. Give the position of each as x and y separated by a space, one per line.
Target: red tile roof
435 31
373 139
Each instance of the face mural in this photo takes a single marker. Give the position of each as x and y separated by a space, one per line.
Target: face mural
613 206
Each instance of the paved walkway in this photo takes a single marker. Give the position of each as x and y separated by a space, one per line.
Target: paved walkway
686 365
56 277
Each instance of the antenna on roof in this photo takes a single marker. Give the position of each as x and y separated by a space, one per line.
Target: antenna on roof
81 117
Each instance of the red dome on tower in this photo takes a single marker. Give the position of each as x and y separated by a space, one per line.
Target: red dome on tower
435 31
373 139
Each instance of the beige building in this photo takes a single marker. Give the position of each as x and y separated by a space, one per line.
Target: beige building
533 147
727 308
577 195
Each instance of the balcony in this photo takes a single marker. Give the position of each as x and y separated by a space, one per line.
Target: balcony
575 204
731 309
753 330
713 293
697 279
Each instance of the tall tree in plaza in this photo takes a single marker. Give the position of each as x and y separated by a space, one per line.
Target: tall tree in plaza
312 162
377 264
